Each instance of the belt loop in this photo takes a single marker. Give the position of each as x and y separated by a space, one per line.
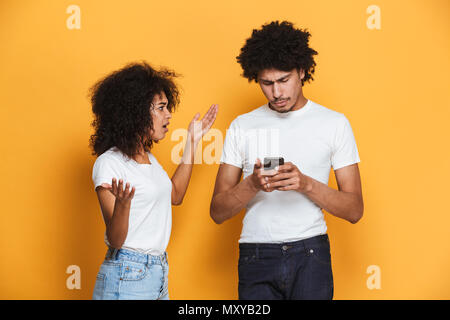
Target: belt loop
257 251
112 253
305 249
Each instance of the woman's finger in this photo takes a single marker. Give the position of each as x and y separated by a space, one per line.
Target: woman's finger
114 186
120 188
133 190
209 121
196 117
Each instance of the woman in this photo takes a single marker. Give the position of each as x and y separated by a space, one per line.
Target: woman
132 109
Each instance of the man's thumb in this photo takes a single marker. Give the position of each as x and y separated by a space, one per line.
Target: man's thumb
257 163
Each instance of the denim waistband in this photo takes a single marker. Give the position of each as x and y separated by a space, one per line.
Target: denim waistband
286 245
124 254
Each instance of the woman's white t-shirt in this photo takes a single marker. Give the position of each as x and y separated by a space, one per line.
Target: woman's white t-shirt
150 220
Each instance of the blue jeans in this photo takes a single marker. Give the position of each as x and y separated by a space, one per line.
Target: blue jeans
292 270
129 275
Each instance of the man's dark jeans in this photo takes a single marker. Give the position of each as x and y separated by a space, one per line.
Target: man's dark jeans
291 270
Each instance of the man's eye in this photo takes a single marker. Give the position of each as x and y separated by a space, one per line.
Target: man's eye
161 108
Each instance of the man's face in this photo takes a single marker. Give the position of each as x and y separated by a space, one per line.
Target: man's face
282 88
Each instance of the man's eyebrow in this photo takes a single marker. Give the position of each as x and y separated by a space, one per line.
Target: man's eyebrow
162 102
279 79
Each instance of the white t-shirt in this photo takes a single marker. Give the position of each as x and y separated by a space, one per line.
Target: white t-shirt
314 138
150 220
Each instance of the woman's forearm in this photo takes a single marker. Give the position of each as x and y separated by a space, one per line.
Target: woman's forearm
183 173
117 227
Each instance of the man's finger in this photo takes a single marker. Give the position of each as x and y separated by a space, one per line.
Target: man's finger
288 166
257 164
283 183
281 176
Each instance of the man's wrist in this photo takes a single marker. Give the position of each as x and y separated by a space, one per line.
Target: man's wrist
308 185
250 184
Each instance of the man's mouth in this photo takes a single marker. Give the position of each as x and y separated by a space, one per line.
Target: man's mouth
280 103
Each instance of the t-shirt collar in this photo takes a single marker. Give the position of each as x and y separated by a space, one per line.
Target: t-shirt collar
290 114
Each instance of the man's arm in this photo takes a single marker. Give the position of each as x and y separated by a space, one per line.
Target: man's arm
347 203
231 196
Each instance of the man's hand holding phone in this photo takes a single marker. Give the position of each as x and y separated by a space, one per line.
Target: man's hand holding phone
261 175
289 177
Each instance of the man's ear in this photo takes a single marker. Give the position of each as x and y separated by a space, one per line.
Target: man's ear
301 74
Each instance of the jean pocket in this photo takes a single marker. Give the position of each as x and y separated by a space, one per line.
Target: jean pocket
321 255
99 287
246 259
133 271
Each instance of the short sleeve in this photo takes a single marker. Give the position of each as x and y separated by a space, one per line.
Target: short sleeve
231 153
105 168
345 151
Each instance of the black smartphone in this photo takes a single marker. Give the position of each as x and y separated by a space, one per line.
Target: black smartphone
271 162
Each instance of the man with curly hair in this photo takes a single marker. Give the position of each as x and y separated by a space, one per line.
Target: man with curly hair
284 250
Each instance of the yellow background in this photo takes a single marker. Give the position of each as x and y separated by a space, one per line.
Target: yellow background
392 84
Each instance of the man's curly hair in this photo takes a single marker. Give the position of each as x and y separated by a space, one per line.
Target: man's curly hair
279 46
121 106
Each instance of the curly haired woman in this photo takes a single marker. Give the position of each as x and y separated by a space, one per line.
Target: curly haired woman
132 108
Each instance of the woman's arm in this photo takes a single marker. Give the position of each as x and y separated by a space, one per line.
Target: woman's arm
182 175
115 204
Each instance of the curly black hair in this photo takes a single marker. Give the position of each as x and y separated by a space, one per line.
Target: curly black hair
121 106
279 46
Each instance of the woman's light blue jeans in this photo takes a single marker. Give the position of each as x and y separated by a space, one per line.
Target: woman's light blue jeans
129 275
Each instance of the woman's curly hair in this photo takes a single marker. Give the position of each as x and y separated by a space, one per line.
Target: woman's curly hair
279 46
121 106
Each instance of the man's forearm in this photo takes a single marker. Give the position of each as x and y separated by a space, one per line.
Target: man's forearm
227 204
345 205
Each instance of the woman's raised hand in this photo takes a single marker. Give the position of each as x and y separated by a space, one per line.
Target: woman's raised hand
198 128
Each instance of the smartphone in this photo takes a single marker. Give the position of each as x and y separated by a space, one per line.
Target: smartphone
270 163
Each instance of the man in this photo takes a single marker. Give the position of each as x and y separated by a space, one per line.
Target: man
284 248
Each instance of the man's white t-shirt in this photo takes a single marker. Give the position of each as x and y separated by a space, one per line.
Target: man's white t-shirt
150 220
314 138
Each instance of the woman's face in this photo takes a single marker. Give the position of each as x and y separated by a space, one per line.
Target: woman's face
160 116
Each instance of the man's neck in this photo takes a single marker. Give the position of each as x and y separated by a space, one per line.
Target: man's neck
301 101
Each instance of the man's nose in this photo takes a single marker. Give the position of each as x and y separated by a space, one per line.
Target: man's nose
276 91
168 114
